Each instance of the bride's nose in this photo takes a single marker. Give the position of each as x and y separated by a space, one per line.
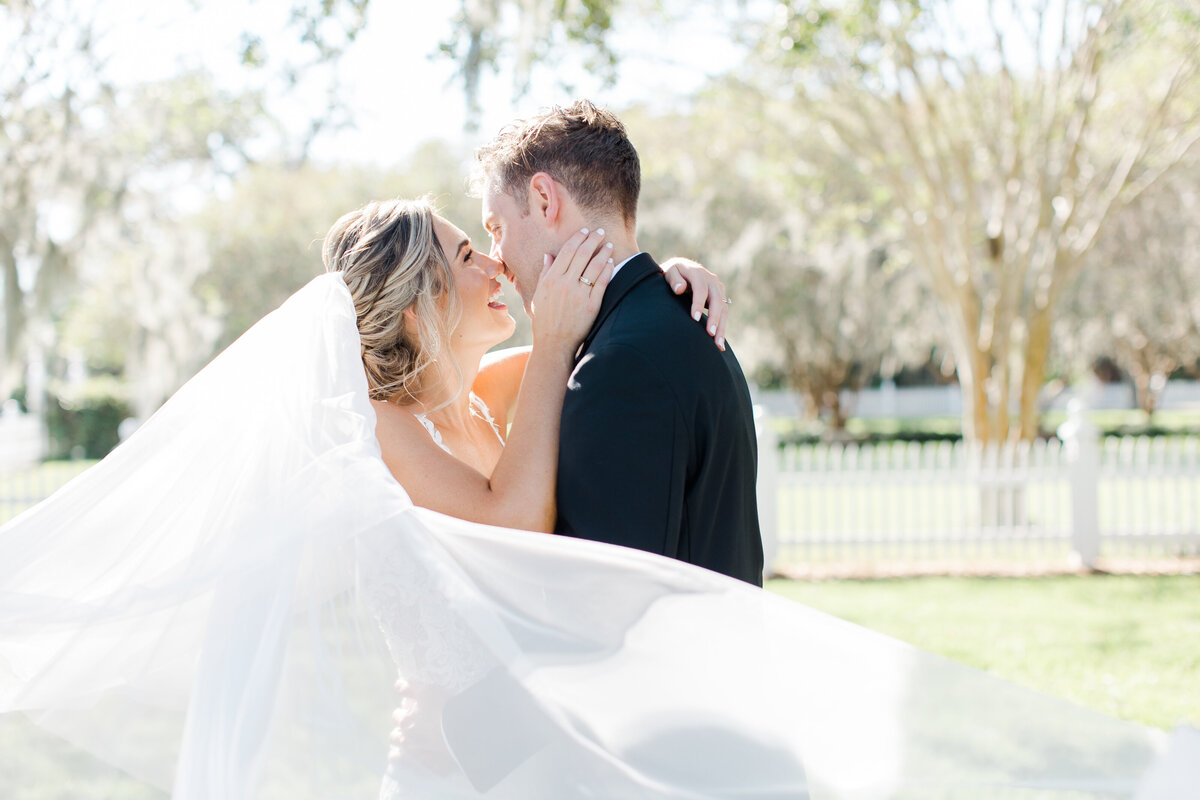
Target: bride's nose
491 267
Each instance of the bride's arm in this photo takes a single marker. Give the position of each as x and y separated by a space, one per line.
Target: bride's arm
520 491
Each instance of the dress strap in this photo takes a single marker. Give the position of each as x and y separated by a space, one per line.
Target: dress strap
433 431
480 406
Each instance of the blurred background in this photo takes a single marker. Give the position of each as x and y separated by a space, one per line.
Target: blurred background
992 202
996 198
944 223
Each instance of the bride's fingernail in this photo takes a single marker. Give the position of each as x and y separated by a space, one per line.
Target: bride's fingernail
678 287
600 231
712 330
696 316
584 231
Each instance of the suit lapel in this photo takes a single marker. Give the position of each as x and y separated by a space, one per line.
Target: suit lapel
636 270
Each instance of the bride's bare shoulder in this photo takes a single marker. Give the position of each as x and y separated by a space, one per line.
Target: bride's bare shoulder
396 423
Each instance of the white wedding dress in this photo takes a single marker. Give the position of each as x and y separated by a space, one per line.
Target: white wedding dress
219 610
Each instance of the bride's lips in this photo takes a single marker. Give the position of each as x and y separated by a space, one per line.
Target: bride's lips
494 300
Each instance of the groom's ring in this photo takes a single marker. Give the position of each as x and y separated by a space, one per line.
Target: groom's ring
586 282
727 301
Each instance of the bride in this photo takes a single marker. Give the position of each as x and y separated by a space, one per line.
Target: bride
428 310
200 613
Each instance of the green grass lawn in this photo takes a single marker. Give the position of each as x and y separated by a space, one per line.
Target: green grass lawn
1124 645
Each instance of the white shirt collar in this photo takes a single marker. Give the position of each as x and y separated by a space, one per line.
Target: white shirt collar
617 268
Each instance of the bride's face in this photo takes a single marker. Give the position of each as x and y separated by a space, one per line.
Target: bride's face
485 319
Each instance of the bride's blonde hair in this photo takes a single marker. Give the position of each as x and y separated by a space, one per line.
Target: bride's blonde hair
391 261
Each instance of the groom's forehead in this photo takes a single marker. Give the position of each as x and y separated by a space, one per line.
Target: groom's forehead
497 203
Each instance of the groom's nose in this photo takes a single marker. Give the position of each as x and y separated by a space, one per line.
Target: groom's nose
495 251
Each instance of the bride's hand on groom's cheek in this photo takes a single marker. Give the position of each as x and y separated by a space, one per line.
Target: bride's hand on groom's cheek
417 735
571 288
707 291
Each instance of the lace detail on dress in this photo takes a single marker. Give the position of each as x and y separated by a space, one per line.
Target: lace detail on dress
479 407
406 585
406 589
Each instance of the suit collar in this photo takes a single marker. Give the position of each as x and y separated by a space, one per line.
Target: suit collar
635 270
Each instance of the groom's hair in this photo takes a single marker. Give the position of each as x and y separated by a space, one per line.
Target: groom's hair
583 147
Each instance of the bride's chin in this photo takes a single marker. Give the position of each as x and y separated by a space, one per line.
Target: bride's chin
505 329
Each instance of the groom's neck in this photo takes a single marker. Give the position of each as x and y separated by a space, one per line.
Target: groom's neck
624 239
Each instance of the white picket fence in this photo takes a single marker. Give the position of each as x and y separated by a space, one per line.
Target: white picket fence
22 438
909 503
903 504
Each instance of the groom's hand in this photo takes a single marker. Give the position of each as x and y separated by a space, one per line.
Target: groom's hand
417 736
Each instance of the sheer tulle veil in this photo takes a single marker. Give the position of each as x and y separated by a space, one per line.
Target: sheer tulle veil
219 609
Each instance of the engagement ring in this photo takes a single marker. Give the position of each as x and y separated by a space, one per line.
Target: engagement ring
727 301
586 282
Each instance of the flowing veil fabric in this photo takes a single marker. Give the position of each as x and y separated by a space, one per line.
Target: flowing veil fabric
220 609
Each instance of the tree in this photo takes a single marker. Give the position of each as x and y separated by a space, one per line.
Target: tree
1006 141
53 185
832 313
1138 301
84 162
820 295
264 241
530 32
127 306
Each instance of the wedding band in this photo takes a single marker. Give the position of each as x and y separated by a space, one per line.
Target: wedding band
727 301
586 282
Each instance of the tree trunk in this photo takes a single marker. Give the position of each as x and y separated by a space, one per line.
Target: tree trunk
837 414
1037 353
986 418
1143 392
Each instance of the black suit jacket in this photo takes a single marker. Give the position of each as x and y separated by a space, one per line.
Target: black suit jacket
658 449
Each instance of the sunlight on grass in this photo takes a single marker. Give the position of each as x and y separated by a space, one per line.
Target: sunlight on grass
1124 645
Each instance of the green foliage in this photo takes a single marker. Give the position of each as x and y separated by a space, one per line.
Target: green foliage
824 299
83 421
264 242
530 32
1000 140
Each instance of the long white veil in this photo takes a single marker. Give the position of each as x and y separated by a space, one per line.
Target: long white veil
220 608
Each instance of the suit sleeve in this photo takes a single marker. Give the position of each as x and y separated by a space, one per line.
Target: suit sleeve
623 454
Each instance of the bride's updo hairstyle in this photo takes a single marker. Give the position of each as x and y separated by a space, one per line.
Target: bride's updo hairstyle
391 262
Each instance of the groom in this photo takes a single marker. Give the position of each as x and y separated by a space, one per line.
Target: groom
658 450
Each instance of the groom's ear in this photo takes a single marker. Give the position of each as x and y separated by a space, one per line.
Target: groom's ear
545 198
